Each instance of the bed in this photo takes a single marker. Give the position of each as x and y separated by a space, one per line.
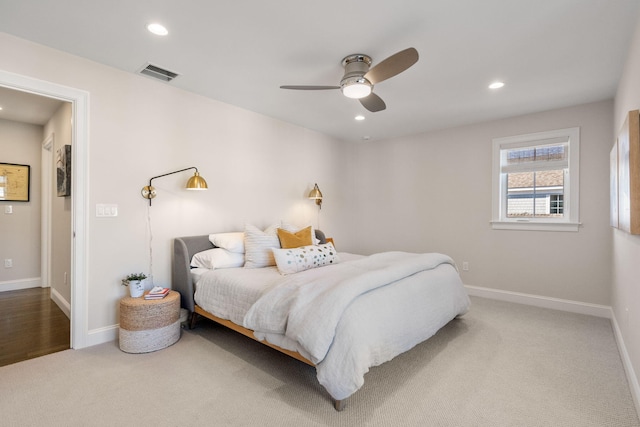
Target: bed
342 318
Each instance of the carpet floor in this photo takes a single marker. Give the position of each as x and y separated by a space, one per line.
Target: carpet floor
502 364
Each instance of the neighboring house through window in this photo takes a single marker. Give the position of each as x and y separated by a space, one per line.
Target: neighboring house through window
535 181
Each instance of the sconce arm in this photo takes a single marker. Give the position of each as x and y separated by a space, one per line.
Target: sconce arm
171 173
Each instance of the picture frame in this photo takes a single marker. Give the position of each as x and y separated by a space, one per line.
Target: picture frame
15 182
63 171
629 174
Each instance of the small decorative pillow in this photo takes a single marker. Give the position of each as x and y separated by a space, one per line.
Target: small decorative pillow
303 258
217 258
258 244
292 229
295 240
233 242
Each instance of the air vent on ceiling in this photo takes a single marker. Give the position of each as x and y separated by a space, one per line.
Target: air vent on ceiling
158 73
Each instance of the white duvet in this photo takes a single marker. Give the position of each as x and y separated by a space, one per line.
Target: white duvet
348 317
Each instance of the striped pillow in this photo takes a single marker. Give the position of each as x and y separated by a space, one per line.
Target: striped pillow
258 244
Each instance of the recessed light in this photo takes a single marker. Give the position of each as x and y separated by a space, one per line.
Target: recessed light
496 85
359 117
157 29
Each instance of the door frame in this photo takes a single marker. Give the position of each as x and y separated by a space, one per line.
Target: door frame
79 100
45 227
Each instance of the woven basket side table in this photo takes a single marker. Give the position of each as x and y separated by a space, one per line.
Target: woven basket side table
149 325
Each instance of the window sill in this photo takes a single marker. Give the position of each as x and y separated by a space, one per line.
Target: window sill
535 226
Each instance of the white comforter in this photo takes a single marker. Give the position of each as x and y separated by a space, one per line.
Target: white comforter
415 295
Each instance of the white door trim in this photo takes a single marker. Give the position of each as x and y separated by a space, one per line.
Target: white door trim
79 190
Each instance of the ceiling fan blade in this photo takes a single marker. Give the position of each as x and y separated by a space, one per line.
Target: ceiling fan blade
393 65
294 87
373 103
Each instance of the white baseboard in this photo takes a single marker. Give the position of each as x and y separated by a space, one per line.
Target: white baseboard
541 301
64 305
102 335
626 362
16 285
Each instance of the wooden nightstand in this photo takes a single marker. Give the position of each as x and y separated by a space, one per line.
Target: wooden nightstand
149 325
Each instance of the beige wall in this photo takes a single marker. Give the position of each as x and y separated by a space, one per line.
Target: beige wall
60 126
626 248
428 192
432 192
20 231
259 170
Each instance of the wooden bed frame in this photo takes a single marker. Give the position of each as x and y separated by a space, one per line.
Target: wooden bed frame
183 250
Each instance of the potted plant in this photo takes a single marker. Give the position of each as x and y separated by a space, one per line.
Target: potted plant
135 283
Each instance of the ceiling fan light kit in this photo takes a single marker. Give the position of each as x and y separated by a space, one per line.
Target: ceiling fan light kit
358 80
356 87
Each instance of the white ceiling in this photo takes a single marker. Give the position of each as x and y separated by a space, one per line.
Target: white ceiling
550 53
26 107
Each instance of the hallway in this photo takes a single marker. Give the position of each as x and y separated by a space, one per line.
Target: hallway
31 325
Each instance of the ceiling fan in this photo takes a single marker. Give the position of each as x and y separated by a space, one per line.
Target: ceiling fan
358 79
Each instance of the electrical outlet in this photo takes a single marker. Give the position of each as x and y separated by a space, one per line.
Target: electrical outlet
8 209
465 265
8 263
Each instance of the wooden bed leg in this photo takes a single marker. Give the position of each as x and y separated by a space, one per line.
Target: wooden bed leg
192 321
339 404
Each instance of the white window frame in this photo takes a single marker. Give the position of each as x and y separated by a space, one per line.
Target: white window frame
570 219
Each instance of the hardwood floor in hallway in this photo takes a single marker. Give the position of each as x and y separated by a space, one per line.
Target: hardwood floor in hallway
31 325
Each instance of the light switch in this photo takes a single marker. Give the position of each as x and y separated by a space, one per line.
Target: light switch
8 209
106 210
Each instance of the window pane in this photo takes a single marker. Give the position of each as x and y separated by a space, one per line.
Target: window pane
542 153
535 194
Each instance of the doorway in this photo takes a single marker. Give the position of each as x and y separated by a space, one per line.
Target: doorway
35 302
79 118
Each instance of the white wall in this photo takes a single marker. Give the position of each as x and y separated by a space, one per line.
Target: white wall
20 231
626 248
432 192
429 192
259 169
60 126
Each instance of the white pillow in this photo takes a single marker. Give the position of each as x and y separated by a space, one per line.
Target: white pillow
217 258
258 244
304 258
233 242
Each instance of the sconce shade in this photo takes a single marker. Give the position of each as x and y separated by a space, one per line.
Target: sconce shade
316 195
196 182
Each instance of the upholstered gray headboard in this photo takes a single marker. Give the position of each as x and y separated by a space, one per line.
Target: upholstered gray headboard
183 250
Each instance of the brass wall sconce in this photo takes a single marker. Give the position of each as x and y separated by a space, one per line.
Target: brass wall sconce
316 195
196 182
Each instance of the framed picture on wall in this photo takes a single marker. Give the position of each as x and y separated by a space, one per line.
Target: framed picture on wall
629 174
14 182
63 171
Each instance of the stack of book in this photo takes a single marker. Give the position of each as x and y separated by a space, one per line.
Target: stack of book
157 293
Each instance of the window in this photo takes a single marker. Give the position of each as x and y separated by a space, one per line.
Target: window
535 181
556 204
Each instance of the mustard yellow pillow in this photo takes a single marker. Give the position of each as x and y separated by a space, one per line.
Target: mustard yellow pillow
300 238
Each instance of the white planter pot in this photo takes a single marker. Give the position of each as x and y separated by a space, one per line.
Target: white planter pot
136 288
